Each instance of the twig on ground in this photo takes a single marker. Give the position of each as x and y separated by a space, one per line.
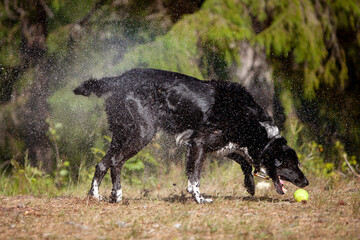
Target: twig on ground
349 165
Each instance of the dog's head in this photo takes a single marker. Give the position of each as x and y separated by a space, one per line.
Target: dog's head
282 163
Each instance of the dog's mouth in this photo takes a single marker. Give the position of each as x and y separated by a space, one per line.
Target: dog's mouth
279 185
283 189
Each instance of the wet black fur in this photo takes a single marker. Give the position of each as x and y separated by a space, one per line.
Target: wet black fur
141 102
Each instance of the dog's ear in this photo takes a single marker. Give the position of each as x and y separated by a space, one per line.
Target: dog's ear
273 146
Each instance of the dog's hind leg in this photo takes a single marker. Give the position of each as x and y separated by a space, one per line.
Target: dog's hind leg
116 192
128 147
100 170
115 170
194 160
247 170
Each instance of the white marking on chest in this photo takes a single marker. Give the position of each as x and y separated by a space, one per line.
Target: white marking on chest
227 149
272 131
183 138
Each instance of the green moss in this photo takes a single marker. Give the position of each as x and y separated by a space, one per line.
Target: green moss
25 80
10 54
57 41
175 51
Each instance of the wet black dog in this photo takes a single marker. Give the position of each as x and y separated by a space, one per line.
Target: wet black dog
207 116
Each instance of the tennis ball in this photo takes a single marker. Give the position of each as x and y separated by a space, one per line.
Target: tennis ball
301 195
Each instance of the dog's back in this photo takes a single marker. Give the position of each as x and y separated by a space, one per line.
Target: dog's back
174 101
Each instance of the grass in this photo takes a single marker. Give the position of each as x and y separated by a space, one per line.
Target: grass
162 210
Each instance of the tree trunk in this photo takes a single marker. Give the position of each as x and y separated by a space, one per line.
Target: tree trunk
36 110
255 74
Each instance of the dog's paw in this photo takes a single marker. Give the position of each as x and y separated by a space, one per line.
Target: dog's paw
97 197
249 185
116 196
202 200
251 191
207 200
114 199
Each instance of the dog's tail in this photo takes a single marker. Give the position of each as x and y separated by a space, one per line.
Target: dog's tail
98 87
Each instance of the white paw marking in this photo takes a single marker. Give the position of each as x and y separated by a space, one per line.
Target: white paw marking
190 187
97 197
117 196
95 188
193 188
95 191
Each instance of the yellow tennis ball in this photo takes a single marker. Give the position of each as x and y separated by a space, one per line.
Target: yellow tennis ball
301 195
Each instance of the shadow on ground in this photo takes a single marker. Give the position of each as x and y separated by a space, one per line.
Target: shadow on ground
184 198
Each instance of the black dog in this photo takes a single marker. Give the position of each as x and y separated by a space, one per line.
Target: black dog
207 116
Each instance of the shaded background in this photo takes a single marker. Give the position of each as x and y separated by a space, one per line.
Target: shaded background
298 58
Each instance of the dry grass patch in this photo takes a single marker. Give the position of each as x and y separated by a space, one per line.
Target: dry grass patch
164 211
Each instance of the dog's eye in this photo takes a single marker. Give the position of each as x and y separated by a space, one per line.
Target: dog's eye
277 162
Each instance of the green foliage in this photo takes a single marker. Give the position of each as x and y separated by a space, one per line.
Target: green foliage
62 167
136 166
175 51
82 123
57 41
25 179
9 39
9 56
183 48
312 158
339 151
304 30
64 12
313 162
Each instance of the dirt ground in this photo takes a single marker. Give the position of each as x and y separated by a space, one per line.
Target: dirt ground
329 214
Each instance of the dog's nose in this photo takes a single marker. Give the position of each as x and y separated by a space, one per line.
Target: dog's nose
298 182
301 183
305 182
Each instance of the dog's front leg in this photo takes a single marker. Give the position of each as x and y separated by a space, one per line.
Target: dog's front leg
247 170
194 160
